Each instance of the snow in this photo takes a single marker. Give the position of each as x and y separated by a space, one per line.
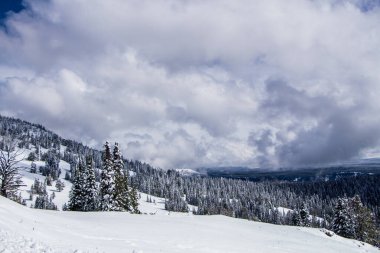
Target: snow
158 206
24 229
285 211
187 172
28 179
10 243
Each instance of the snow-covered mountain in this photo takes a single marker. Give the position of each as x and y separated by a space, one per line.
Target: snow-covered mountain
23 229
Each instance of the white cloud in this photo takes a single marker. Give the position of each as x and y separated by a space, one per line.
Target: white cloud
199 83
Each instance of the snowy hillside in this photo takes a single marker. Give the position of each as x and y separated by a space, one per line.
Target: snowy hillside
28 179
24 229
155 205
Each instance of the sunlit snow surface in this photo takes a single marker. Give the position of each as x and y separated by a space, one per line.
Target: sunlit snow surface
23 229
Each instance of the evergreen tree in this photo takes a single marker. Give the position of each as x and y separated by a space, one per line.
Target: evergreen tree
44 202
365 229
90 186
49 180
32 156
121 194
107 183
295 219
304 216
67 176
176 203
33 168
64 207
59 185
38 187
134 204
78 190
343 223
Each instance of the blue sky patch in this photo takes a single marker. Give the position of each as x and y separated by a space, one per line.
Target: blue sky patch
7 6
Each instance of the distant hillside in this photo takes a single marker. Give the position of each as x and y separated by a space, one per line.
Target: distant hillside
30 135
327 173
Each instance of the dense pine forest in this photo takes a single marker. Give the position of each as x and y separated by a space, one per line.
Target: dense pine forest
262 201
349 206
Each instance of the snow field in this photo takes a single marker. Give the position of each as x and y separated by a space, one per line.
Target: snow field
124 232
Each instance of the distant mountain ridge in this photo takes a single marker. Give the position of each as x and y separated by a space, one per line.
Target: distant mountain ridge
328 173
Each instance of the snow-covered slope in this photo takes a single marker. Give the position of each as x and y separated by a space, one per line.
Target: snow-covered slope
188 172
23 229
28 179
157 205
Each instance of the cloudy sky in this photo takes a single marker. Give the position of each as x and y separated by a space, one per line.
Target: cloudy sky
197 83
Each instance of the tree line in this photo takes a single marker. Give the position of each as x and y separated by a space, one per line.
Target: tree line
285 203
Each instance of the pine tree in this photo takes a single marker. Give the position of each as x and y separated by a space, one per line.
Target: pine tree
90 186
49 180
304 216
121 194
33 168
107 183
365 229
176 203
78 191
134 204
343 223
44 202
59 185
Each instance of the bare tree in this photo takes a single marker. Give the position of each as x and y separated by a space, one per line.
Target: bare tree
10 179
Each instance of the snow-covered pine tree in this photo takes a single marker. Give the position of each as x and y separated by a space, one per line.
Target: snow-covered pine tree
343 224
38 187
33 168
176 203
133 197
365 228
90 186
44 202
304 216
78 190
107 182
121 194
59 185
49 180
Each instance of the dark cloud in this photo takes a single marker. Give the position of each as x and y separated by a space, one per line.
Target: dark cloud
335 133
336 139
